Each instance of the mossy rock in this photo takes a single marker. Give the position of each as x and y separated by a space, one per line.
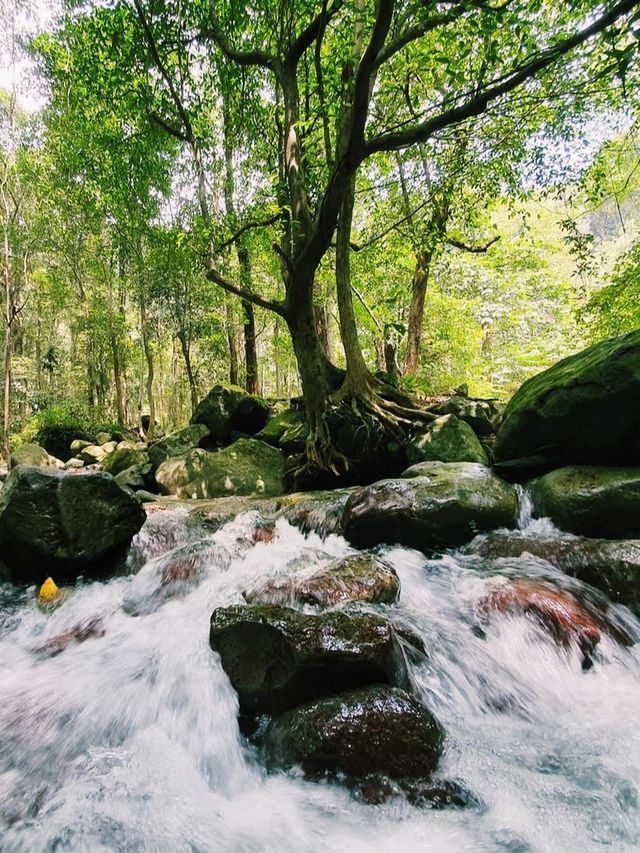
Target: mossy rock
30 454
584 409
448 439
277 426
177 443
126 455
229 408
64 524
591 500
435 506
247 467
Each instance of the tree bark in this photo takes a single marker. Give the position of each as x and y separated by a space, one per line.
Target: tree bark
416 311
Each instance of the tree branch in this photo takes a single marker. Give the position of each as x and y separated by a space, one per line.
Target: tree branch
475 250
248 295
241 57
311 33
169 128
479 103
263 224
417 31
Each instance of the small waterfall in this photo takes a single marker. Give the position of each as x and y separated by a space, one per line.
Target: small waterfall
118 727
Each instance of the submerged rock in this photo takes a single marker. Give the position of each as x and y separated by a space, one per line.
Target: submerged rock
316 512
247 467
64 524
356 577
439 505
586 408
369 734
612 566
177 443
229 408
448 439
277 658
591 501
557 610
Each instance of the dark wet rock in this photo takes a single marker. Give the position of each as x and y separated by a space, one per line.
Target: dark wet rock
483 416
228 408
278 425
247 467
356 577
585 409
557 610
370 734
442 794
277 658
126 455
64 524
136 478
612 566
442 506
590 500
31 454
448 439
177 443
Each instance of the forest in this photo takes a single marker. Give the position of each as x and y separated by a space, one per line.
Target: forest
320 454
330 201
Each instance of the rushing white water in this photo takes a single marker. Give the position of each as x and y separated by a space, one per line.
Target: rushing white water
128 741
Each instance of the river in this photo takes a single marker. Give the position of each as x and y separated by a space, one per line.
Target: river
128 741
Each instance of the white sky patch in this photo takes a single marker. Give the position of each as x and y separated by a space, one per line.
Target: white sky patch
23 19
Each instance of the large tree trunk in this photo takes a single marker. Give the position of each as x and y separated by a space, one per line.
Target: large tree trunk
117 363
416 311
186 354
232 342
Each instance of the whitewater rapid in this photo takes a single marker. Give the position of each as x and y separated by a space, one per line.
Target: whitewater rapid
128 741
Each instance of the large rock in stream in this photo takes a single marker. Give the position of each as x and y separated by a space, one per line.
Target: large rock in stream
590 500
63 524
368 735
436 506
608 565
586 408
356 577
246 467
277 658
177 443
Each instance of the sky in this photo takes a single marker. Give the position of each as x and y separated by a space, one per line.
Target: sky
22 18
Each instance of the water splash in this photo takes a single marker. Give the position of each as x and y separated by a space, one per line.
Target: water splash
128 740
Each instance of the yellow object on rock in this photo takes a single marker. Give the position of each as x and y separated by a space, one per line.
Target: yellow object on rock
49 591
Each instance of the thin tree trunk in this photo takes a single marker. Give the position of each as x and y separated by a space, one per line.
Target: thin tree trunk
115 352
8 323
232 342
186 355
148 354
416 311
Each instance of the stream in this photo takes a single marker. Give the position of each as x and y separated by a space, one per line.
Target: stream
128 741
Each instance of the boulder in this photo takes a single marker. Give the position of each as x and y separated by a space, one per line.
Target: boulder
590 501
93 454
73 463
177 443
30 454
277 658
436 505
247 467
126 455
294 439
64 524
608 565
447 440
135 478
316 512
228 408
103 438
584 409
356 577
483 416
278 425
109 446
362 734
79 444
